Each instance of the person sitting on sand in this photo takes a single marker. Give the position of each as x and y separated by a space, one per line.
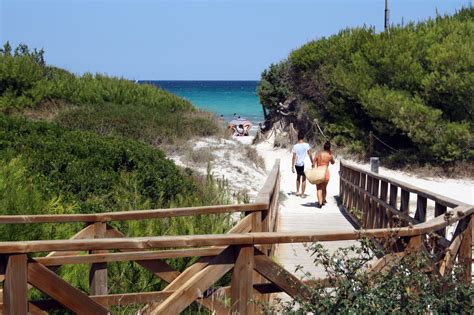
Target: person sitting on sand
240 130
322 159
300 149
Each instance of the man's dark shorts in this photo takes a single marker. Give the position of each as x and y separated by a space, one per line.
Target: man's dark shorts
299 170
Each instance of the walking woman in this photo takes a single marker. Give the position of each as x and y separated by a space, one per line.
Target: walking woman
322 159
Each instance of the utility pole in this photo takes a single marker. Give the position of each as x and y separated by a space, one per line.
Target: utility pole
386 16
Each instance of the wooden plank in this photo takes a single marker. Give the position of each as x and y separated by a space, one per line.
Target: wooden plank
98 271
109 300
349 189
132 215
450 256
375 213
440 210
257 222
362 197
421 203
393 203
159 268
386 262
198 283
85 233
243 226
367 204
264 195
274 206
242 281
279 276
465 252
356 192
33 309
383 209
405 202
130 256
61 291
127 243
229 239
14 288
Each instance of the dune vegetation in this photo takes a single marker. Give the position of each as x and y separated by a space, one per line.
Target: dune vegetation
411 86
87 144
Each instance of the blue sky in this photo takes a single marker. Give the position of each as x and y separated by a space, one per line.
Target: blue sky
193 39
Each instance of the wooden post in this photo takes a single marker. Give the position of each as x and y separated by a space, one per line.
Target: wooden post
15 300
421 203
242 281
375 223
465 252
361 197
374 164
356 191
368 204
393 201
349 190
439 210
404 204
98 271
383 197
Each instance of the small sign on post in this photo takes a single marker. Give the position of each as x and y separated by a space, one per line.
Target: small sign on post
374 164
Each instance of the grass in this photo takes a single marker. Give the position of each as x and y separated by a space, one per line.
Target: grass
200 156
252 155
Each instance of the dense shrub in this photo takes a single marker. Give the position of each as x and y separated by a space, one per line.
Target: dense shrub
90 169
402 288
411 85
25 81
138 122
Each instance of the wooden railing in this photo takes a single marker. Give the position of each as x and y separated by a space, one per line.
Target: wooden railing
244 251
380 202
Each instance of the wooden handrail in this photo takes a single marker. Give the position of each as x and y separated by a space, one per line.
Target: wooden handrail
262 203
233 239
131 215
449 202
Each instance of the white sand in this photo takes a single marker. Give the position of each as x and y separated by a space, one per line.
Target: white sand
230 163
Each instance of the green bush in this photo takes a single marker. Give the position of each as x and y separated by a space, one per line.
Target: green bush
85 167
20 194
138 122
411 85
405 288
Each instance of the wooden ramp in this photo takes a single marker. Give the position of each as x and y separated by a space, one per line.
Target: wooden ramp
298 214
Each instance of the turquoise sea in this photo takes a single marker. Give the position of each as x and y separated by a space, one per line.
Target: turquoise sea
219 97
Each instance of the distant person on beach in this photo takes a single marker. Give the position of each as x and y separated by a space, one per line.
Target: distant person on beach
322 159
240 130
300 149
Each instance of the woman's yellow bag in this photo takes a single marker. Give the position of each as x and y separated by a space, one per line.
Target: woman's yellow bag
316 175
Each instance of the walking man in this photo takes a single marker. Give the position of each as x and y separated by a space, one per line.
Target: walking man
300 149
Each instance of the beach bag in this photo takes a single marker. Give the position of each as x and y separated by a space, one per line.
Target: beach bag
316 175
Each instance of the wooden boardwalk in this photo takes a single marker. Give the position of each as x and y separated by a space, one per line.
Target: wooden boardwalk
298 214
